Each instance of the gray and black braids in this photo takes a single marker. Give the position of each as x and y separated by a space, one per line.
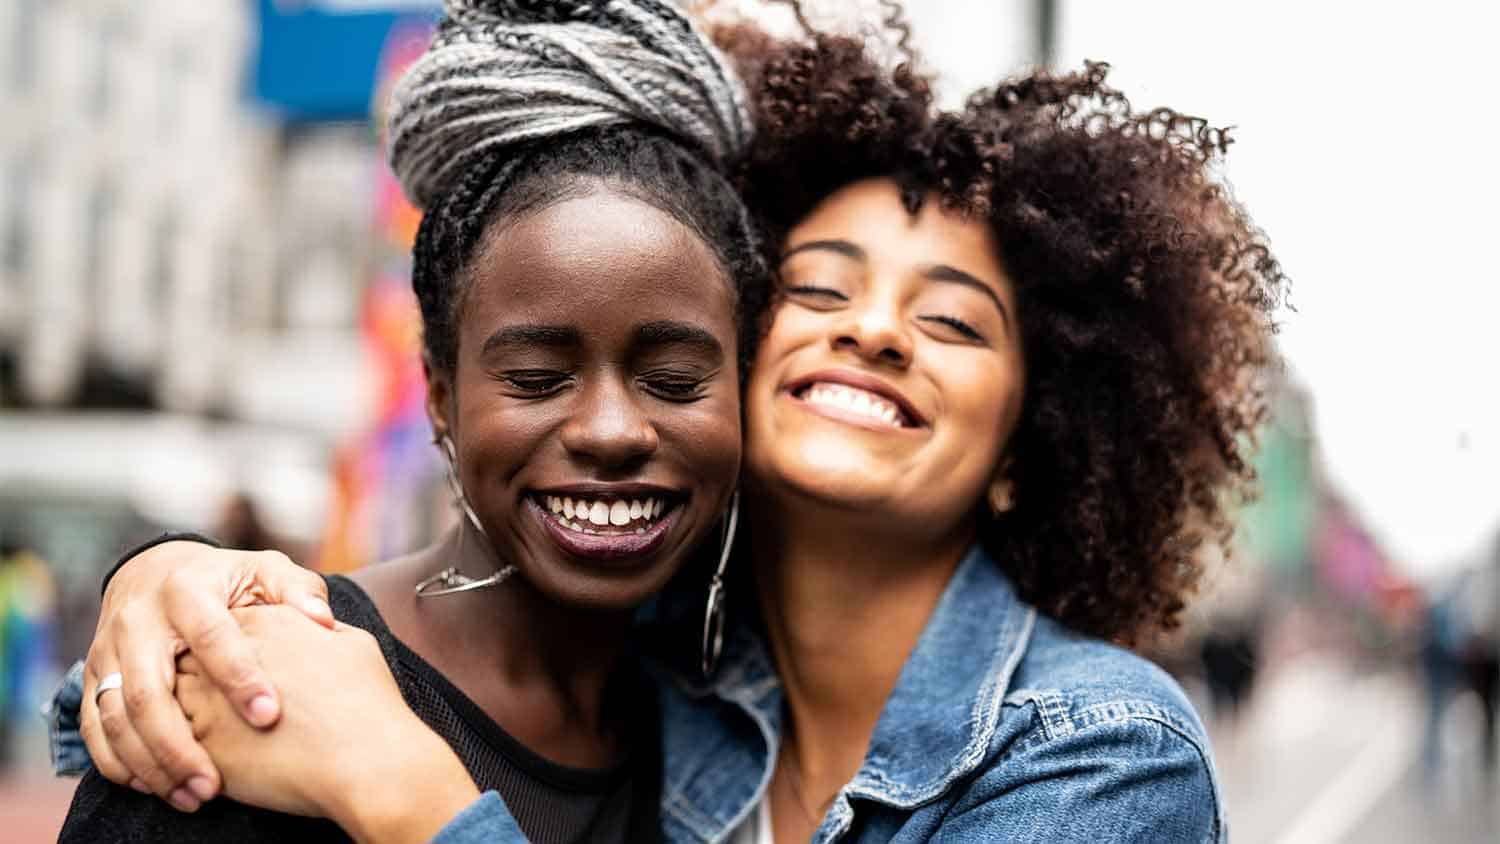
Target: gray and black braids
500 72
519 104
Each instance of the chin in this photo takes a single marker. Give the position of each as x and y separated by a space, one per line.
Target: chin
600 594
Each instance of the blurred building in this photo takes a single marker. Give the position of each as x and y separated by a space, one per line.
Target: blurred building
170 238
188 214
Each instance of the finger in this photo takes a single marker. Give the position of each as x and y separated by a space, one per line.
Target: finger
105 760
143 772
285 582
227 655
156 723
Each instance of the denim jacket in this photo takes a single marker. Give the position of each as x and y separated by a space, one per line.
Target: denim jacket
1003 726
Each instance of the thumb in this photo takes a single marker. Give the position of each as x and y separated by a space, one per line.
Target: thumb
285 582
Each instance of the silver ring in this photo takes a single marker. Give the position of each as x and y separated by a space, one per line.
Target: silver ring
113 680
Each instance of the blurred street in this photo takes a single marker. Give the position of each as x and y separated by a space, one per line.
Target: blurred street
1330 754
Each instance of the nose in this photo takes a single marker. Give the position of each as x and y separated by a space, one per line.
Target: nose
607 428
876 331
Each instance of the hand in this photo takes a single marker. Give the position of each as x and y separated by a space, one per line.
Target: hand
337 691
167 599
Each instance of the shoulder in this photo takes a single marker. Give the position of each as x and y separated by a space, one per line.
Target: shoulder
1095 742
103 812
1074 681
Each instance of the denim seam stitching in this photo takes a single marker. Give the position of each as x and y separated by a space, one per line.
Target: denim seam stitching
1159 716
984 721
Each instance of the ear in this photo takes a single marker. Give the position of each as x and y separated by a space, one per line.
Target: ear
1001 492
439 398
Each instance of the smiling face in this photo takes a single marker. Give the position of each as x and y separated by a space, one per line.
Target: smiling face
891 376
594 405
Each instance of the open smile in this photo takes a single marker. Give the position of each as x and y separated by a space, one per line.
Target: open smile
857 399
606 525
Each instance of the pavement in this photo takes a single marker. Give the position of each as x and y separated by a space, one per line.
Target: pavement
1327 753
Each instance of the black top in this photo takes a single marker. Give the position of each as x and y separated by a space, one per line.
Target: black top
551 803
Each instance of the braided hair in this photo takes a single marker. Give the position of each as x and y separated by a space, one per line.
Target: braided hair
520 104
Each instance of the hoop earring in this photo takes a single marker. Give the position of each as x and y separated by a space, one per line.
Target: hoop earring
451 581
713 615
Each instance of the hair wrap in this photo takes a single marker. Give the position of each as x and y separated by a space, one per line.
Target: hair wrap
502 72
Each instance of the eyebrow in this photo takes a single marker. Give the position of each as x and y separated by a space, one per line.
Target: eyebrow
842 247
559 336
936 272
672 332
943 272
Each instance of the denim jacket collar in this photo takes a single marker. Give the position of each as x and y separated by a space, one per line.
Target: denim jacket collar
934 729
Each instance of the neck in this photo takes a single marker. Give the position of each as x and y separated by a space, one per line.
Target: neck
844 606
487 642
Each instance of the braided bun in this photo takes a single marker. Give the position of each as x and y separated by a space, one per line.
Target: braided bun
505 72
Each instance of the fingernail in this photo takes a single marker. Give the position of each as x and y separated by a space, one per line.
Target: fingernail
262 710
184 801
201 787
316 607
139 785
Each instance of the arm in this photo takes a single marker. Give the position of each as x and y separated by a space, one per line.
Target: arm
168 598
1139 778
319 759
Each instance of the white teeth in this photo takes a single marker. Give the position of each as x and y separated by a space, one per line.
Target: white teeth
619 513
581 515
855 401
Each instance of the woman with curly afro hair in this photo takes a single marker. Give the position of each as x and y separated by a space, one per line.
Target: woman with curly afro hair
1001 402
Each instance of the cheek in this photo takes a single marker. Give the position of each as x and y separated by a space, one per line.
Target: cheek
985 399
790 329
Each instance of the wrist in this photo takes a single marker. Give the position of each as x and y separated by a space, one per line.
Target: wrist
409 797
164 539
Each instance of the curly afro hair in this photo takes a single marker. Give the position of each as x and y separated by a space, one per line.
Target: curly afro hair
1145 297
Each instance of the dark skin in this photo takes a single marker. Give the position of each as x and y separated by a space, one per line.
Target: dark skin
596 360
596 349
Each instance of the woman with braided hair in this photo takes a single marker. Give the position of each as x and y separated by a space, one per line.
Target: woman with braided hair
586 275
1003 394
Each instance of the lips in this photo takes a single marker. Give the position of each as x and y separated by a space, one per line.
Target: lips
606 523
857 397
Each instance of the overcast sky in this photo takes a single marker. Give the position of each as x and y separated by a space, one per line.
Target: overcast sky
1367 150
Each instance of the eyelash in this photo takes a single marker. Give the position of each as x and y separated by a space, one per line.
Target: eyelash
535 382
673 386
814 290
668 386
954 323
957 325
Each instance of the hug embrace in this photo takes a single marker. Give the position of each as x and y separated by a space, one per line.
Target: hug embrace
820 453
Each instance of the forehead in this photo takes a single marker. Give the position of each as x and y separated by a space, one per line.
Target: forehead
870 214
601 259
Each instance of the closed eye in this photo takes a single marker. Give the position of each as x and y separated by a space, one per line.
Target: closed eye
814 290
963 328
673 386
535 382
